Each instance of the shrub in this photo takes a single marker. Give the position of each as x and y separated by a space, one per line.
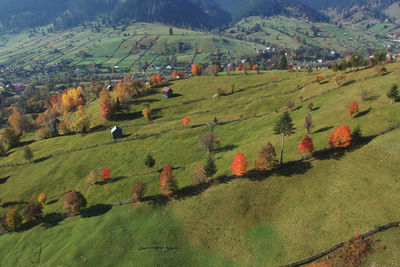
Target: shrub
2 149
210 167
353 109
210 142
239 165
13 219
340 137
138 191
33 212
149 161
266 160
290 104
74 202
95 176
168 184
306 145
199 174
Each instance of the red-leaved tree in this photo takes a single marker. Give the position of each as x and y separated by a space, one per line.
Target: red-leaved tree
353 109
239 165
106 174
306 145
168 184
340 137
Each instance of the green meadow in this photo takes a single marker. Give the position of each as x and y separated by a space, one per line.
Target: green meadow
294 212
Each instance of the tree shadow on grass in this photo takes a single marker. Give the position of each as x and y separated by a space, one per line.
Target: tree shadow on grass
53 219
324 129
142 101
156 200
28 225
363 113
112 180
4 180
348 83
96 210
13 203
52 202
227 148
291 168
127 116
296 108
338 153
314 109
173 168
42 159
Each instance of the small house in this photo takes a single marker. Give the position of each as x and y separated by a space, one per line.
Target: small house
167 92
116 132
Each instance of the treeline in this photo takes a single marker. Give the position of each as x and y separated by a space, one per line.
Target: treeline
64 14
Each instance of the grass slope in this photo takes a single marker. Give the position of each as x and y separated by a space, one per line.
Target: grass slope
290 214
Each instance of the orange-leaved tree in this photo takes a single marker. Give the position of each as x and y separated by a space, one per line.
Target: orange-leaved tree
18 121
318 79
168 184
353 109
42 198
186 121
13 218
106 108
156 79
196 69
266 159
306 145
123 92
239 165
340 137
255 67
146 112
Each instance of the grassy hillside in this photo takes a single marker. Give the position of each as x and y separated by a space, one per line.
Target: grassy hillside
291 213
109 47
280 31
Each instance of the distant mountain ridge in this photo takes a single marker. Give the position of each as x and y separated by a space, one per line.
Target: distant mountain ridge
16 15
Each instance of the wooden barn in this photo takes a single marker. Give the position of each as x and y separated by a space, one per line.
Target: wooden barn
116 132
167 92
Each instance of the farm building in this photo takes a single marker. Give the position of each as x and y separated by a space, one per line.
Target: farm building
167 92
116 132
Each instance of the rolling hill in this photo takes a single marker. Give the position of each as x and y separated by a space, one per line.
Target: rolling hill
291 213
